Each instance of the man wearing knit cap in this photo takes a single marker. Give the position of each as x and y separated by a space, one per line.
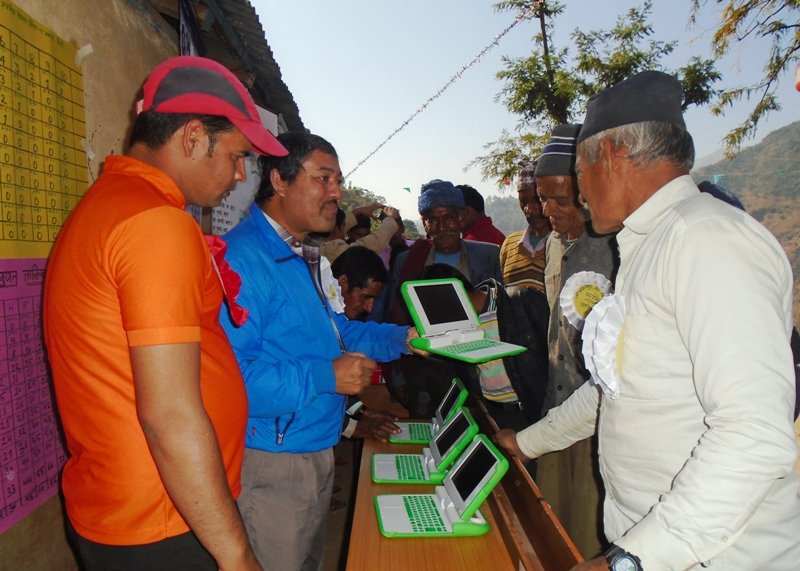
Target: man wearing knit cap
522 253
696 442
440 206
148 390
574 253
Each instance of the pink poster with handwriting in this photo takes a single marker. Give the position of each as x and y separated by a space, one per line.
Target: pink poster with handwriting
31 450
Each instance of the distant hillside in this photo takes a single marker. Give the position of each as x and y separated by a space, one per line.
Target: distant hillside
505 212
765 177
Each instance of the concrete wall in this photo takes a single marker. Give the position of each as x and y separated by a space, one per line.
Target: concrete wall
127 38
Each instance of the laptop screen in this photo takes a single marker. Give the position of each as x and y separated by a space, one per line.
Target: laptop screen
441 303
440 306
451 434
448 402
470 474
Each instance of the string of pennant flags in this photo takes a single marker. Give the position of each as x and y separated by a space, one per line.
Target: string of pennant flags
456 76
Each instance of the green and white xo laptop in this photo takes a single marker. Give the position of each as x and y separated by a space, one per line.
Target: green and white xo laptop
422 432
452 511
447 322
430 466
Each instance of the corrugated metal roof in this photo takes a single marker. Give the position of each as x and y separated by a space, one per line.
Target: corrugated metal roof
232 34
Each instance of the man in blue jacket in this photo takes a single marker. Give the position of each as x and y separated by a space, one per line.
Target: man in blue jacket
299 358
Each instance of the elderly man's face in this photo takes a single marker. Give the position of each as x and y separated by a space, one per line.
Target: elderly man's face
532 208
598 195
559 198
443 225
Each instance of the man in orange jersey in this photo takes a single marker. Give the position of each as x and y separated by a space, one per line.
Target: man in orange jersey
150 396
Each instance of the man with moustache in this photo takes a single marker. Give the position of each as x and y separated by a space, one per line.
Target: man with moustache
697 447
569 479
522 253
151 401
441 206
420 383
299 358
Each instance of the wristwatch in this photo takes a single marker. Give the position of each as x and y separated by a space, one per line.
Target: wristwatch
356 411
620 560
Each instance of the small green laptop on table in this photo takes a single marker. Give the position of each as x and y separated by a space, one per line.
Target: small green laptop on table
452 510
431 465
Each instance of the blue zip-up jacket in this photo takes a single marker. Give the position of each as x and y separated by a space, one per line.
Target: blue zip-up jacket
287 346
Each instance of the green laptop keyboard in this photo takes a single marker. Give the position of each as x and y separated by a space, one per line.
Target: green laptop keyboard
420 431
469 346
409 467
424 516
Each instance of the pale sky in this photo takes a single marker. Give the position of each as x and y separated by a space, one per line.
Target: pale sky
359 68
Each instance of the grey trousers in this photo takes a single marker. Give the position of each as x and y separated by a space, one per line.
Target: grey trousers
284 504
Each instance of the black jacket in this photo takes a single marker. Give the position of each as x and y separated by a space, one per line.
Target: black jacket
522 318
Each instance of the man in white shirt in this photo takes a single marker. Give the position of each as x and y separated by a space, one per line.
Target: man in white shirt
696 444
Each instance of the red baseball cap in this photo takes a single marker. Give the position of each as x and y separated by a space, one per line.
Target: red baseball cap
191 84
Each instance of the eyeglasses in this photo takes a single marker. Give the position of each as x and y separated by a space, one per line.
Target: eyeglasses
326 179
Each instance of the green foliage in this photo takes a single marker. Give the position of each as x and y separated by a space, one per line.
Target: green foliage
776 19
412 230
551 86
506 154
355 196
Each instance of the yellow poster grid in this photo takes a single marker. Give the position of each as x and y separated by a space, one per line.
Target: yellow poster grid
43 174
43 167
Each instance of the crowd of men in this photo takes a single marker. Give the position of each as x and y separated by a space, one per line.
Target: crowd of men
202 390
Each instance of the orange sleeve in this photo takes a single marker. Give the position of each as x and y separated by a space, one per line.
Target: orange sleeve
159 264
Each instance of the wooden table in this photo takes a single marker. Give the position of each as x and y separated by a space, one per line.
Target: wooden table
524 533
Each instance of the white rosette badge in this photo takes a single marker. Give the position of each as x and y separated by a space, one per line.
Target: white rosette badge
580 294
330 286
601 342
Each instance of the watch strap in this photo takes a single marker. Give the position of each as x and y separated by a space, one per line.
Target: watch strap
615 553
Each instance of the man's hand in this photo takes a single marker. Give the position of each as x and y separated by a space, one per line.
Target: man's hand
391 212
184 447
507 438
367 210
376 424
597 564
414 334
353 372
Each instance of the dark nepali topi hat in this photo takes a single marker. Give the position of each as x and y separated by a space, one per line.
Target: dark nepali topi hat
646 96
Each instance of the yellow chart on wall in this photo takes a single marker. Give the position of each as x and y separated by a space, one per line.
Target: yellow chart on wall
43 168
43 173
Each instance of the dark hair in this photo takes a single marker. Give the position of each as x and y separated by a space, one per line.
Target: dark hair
340 216
440 271
300 145
472 197
360 265
154 129
363 221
